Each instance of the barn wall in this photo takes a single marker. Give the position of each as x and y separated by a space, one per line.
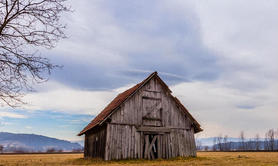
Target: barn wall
123 142
181 143
123 139
131 111
95 141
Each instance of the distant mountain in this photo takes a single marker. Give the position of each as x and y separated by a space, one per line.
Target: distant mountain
80 142
34 143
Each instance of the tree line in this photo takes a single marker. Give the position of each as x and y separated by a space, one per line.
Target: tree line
222 143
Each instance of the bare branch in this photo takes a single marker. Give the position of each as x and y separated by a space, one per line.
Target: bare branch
25 25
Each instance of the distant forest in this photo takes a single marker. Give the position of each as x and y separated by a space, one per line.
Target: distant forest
220 143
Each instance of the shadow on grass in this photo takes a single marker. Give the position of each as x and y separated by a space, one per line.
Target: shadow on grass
89 161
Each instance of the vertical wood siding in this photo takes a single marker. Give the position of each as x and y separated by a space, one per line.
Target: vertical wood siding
95 142
123 141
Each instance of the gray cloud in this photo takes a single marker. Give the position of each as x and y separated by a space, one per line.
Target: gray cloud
111 41
248 107
219 56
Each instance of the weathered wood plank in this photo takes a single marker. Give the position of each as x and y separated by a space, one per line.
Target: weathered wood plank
159 147
152 91
118 151
124 135
133 142
154 129
151 144
146 146
107 143
150 98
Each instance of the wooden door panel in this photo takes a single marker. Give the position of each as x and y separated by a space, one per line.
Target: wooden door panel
152 112
152 146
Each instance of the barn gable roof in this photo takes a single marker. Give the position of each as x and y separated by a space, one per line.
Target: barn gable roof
122 97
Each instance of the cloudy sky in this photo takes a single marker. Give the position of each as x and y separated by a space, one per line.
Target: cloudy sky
218 57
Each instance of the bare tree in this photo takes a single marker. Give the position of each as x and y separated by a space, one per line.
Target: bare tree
242 140
225 143
266 142
51 150
214 147
25 26
270 138
220 142
78 150
198 145
257 142
1 148
276 139
249 144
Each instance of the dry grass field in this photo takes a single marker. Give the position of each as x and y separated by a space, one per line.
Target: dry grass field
204 158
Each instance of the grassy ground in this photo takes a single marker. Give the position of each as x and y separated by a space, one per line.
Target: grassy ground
204 158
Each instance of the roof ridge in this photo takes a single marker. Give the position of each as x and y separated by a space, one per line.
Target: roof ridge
115 103
122 97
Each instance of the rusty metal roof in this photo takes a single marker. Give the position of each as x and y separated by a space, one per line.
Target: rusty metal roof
122 97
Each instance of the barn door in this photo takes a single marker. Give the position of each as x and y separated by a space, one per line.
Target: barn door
152 111
152 146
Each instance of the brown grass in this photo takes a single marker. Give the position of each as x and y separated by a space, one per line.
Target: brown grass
204 158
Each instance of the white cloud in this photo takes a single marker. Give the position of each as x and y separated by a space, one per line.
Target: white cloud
245 35
2 123
105 37
220 109
28 127
242 35
62 98
10 114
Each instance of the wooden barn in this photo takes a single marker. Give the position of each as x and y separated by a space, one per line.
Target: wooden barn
145 121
